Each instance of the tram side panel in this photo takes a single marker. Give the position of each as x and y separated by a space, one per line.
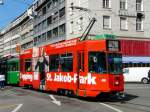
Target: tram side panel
26 74
78 78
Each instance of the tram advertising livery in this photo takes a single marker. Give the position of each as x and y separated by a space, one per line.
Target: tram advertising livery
73 67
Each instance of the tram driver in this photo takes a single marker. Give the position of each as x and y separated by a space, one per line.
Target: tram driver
95 66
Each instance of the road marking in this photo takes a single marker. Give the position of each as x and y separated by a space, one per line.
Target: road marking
54 100
17 108
113 108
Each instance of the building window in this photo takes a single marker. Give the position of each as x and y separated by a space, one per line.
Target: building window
15 41
35 29
44 10
7 44
71 26
49 35
139 5
49 5
44 24
35 40
55 32
39 39
106 22
13 50
62 1
139 24
62 12
49 20
106 3
43 37
71 10
55 2
62 29
80 24
123 23
55 17
39 26
123 4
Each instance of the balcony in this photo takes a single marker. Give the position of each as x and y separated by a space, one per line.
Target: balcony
140 14
39 4
127 13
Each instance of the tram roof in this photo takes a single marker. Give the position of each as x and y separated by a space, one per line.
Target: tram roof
13 60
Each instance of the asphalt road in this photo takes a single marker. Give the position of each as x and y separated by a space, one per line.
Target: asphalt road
16 99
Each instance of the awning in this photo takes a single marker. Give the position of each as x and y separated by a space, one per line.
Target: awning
136 59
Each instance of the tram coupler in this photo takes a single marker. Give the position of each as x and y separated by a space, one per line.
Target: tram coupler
120 95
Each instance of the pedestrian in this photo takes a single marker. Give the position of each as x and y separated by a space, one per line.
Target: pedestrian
2 81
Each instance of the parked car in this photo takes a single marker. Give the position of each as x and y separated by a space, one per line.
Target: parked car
136 74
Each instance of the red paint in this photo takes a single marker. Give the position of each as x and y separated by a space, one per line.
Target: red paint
135 47
80 82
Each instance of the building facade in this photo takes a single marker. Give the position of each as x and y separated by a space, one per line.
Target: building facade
17 36
59 20
50 22
26 34
1 44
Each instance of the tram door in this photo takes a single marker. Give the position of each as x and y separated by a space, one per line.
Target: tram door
80 68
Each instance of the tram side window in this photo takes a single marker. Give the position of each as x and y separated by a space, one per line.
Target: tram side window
66 62
28 65
97 62
54 63
3 68
13 67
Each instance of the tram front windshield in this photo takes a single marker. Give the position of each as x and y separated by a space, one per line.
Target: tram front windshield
98 62
114 63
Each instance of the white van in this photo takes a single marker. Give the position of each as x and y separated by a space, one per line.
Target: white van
136 74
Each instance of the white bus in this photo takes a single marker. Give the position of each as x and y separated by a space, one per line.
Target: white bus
136 74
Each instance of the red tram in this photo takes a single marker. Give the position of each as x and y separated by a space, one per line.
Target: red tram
83 68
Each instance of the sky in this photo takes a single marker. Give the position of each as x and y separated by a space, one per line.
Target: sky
11 9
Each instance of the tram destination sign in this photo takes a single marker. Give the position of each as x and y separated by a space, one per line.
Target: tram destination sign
113 45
